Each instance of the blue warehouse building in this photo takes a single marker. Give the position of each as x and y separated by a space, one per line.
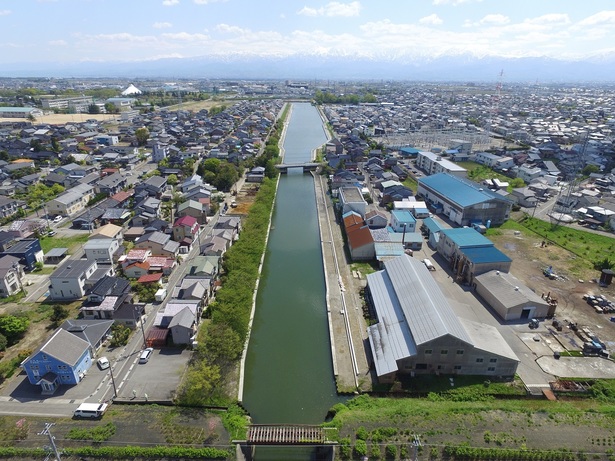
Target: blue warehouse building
463 201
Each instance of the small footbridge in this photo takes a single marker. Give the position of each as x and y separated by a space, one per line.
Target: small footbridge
307 167
287 434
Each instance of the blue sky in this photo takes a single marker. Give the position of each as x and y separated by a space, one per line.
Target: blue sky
71 31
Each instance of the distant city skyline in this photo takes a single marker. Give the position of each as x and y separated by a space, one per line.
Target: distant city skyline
71 31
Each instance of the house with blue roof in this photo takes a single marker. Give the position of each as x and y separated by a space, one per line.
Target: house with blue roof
403 221
463 201
469 253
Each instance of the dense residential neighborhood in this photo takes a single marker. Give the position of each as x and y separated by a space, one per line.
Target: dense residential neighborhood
129 221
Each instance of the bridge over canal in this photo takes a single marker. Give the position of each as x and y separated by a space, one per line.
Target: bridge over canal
307 167
287 434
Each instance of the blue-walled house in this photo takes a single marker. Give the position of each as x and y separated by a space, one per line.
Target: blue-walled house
63 359
28 251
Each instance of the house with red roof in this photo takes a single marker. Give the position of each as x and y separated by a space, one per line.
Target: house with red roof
185 227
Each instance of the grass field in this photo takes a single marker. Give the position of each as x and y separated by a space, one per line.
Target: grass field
47 243
589 247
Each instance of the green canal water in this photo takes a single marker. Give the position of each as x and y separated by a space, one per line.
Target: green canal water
288 372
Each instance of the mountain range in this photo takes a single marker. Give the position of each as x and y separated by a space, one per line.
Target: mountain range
598 69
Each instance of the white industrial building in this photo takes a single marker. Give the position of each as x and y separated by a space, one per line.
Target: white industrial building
507 295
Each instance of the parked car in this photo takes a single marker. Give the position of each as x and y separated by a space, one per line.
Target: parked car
90 410
51 233
146 354
103 363
57 219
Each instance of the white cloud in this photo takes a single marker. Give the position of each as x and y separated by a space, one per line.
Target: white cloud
170 2
58 42
228 29
186 37
333 9
5 12
432 19
604 17
454 2
162 25
489 20
497 19
549 19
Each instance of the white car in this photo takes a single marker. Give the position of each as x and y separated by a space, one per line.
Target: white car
103 363
57 219
145 355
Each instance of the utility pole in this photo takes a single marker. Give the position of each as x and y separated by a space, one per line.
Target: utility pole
416 443
47 432
113 382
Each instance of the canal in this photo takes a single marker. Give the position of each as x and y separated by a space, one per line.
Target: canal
288 371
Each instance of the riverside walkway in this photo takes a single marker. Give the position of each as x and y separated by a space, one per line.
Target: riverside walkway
347 327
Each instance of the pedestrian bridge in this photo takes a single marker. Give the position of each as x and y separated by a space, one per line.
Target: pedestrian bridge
307 167
286 434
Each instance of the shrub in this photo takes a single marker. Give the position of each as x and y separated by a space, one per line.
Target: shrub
375 452
345 450
390 451
362 433
360 448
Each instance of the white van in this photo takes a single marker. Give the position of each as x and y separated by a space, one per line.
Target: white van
90 410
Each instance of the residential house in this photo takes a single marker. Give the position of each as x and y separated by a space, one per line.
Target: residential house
153 186
28 251
11 274
10 206
101 249
193 208
105 297
72 201
63 359
375 219
351 199
95 332
111 184
68 282
159 243
108 231
186 227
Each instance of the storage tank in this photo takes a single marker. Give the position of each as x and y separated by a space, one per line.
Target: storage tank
606 277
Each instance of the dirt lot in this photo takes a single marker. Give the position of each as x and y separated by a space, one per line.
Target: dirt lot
529 260
245 198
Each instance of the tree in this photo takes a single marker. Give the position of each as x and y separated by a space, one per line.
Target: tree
227 176
589 169
222 344
59 314
93 109
201 381
13 327
172 180
142 135
3 342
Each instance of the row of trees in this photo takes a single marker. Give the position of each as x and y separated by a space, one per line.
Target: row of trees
324 97
220 174
221 340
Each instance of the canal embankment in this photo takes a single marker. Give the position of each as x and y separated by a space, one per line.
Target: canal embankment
347 327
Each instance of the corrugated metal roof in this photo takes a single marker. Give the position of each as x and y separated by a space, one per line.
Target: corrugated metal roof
411 311
484 255
508 289
466 237
425 307
458 190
